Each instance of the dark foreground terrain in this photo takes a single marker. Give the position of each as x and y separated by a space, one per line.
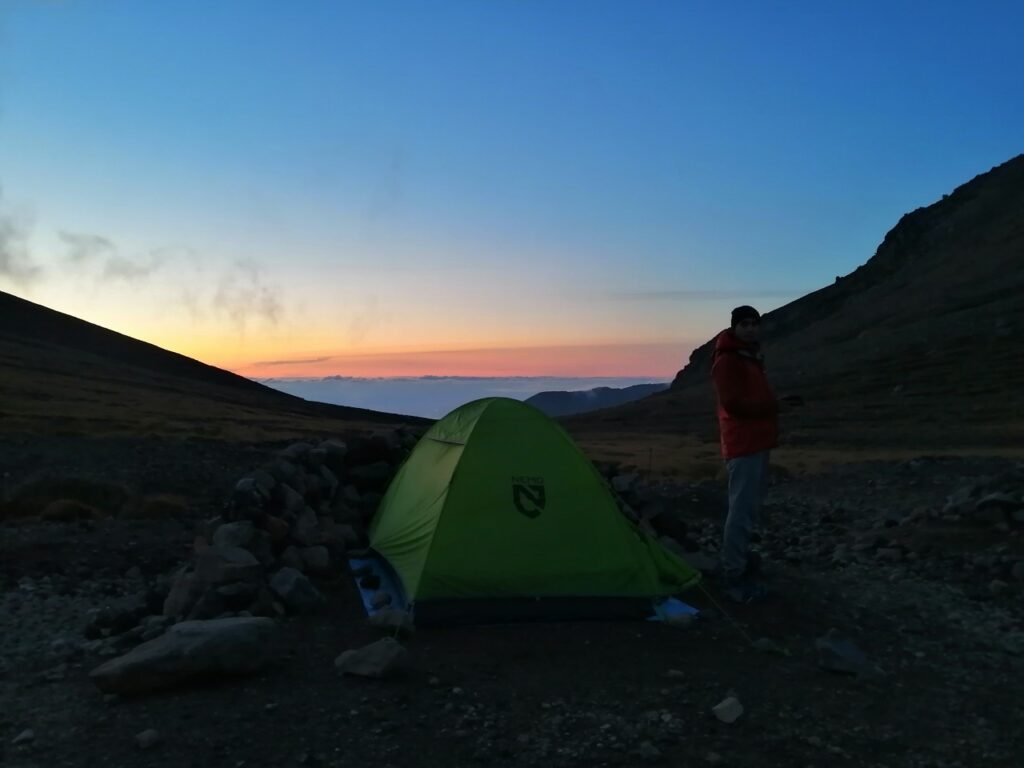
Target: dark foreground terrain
929 590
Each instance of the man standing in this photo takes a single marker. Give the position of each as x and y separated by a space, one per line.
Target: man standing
747 419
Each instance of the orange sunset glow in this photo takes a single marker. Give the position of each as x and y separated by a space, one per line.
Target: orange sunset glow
656 360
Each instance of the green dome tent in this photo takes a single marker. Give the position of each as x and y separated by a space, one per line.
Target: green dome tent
497 514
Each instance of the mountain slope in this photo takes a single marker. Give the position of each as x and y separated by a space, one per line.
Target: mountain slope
65 375
921 346
558 403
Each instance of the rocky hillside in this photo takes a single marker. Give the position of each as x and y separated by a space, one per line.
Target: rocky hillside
63 375
555 403
923 345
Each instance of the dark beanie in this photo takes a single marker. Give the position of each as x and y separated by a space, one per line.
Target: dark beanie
744 313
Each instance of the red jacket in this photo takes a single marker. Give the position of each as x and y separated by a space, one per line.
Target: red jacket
747 406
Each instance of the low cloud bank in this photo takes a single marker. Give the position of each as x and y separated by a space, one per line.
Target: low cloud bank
433 396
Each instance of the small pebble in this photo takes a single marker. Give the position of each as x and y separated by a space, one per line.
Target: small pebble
729 710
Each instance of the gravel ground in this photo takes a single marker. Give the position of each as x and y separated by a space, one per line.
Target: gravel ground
930 594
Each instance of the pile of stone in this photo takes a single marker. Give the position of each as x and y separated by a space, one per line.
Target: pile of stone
298 514
997 501
292 518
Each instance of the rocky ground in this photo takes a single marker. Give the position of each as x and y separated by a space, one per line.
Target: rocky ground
913 571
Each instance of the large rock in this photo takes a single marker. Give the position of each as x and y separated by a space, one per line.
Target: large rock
240 534
190 650
330 480
306 530
296 451
292 502
118 616
248 500
316 559
384 658
219 565
292 558
296 591
336 451
185 591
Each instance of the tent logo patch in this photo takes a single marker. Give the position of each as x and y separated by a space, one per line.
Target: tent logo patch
528 495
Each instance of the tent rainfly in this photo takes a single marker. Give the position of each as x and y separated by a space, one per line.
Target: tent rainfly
497 515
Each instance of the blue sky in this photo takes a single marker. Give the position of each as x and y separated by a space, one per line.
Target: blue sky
272 181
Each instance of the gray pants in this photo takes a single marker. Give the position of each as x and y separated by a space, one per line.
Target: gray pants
748 477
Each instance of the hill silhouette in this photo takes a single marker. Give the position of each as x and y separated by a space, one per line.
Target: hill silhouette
921 346
66 375
561 403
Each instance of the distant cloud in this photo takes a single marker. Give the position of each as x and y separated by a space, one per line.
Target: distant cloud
706 295
242 295
130 271
16 263
85 248
86 251
297 362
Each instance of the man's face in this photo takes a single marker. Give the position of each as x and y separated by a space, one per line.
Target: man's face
748 330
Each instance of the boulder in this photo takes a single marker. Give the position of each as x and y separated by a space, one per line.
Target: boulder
306 530
209 606
185 591
283 472
188 651
382 659
119 615
316 457
330 480
292 558
239 534
316 559
296 591
296 452
264 480
276 528
219 565
336 451
292 502
238 596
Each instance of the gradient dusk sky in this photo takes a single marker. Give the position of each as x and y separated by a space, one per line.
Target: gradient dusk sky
481 187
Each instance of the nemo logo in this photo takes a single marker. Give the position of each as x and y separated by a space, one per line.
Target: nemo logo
528 495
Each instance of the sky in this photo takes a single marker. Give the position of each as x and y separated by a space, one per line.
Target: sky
476 188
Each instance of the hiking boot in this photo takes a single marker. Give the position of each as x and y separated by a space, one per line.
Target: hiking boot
746 591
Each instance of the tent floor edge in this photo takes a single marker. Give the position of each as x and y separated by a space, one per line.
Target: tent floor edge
516 610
